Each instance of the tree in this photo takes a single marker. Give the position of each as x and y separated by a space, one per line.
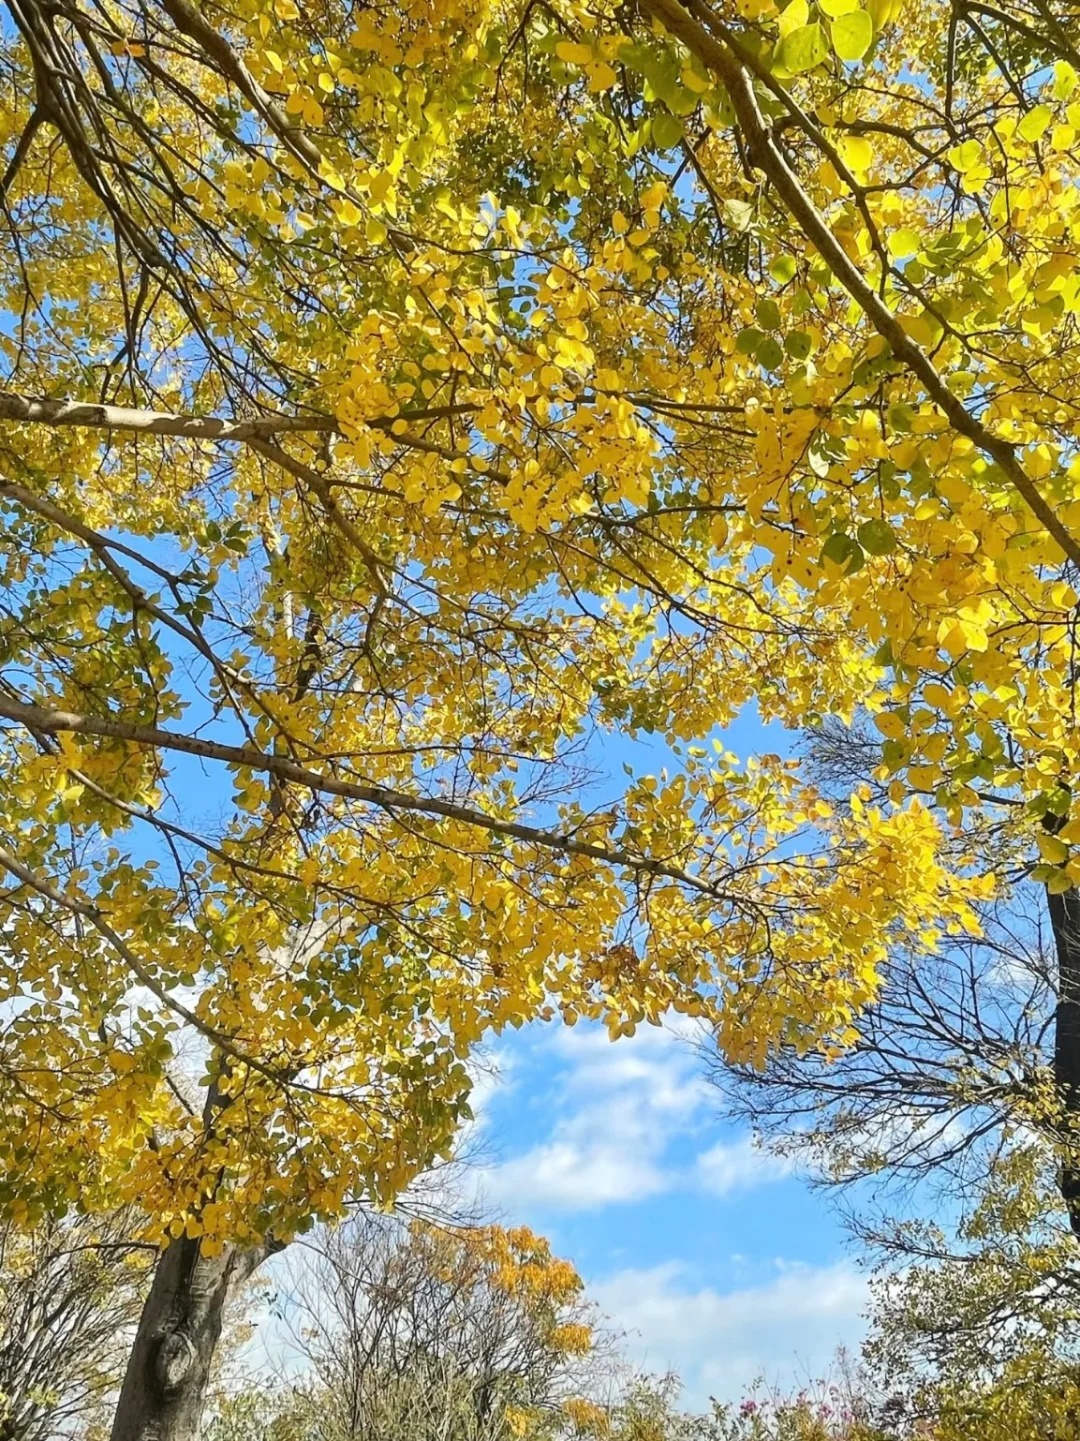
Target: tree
949 1066
958 336
254 1415
942 1125
341 503
423 1331
70 1295
975 1327
397 400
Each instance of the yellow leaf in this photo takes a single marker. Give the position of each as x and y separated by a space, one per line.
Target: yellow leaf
891 725
573 53
966 156
903 243
1052 849
857 152
793 17
1035 123
601 77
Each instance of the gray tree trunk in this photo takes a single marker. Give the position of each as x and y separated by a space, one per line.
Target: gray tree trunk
168 1370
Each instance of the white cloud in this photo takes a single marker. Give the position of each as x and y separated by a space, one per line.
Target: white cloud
575 1174
615 1116
614 1110
740 1165
786 1329
494 1076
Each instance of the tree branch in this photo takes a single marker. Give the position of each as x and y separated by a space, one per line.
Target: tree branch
40 410
724 58
22 148
54 722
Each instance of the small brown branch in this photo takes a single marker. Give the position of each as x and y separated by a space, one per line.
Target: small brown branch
76 907
26 139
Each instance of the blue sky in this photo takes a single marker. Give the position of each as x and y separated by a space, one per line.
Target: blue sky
714 1258
703 1254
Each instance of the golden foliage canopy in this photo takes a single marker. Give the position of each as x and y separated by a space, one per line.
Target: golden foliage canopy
399 400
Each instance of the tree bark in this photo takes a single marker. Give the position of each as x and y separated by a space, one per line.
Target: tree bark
168 1370
1065 921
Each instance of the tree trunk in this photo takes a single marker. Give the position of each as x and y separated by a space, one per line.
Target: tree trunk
1065 920
169 1367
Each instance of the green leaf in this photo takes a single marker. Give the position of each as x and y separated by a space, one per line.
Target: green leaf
798 344
877 537
738 213
803 49
895 754
1054 851
679 99
667 129
783 269
852 35
1058 801
837 548
768 314
718 110
748 340
843 550
770 354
